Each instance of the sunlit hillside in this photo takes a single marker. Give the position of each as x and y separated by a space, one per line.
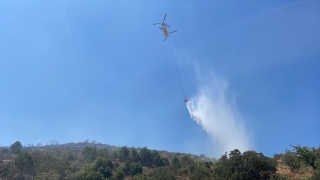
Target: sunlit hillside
93 160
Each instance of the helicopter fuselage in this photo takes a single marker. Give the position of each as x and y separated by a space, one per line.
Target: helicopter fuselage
164 30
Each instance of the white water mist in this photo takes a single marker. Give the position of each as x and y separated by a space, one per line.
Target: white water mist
212 109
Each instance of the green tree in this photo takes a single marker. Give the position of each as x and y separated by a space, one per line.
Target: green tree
50 175
221 171
134 156
78 175
161 173
110 164
186 161
9 171
135 168
166 161
235 161
308 155
249 165
291 159
119 175
183 172
104 153
141 176
145 157
43 161
61 166
124 153
132 168
90 153
47 164
71 156
316 172
86 173
258 166
154 154
89 173
25 163
158 161
102 166
175 163
200 173
114 155
16 147
4 151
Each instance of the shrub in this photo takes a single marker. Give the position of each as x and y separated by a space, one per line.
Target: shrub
291 159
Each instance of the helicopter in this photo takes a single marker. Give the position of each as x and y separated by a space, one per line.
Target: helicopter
164 28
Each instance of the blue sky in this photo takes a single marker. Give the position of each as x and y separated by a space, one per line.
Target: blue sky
99 70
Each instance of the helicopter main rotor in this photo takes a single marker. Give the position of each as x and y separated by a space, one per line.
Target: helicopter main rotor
163 21
164 17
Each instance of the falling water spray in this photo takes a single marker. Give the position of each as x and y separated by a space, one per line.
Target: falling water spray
212 109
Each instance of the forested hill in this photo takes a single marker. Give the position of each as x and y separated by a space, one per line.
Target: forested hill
100 161
78 147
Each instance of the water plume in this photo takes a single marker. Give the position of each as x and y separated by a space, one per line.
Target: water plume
214 110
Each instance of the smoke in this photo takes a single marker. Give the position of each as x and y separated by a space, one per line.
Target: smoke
214 110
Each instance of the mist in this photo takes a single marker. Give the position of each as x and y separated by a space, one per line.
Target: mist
214 109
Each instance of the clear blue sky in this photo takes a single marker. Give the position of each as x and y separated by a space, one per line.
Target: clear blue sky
98 70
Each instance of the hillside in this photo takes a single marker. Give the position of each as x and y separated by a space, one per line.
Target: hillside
86 160
78 147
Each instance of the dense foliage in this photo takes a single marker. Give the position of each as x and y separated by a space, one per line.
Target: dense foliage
145 164
16 147
248 165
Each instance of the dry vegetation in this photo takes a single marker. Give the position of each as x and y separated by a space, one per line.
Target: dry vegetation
100 161
294 174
